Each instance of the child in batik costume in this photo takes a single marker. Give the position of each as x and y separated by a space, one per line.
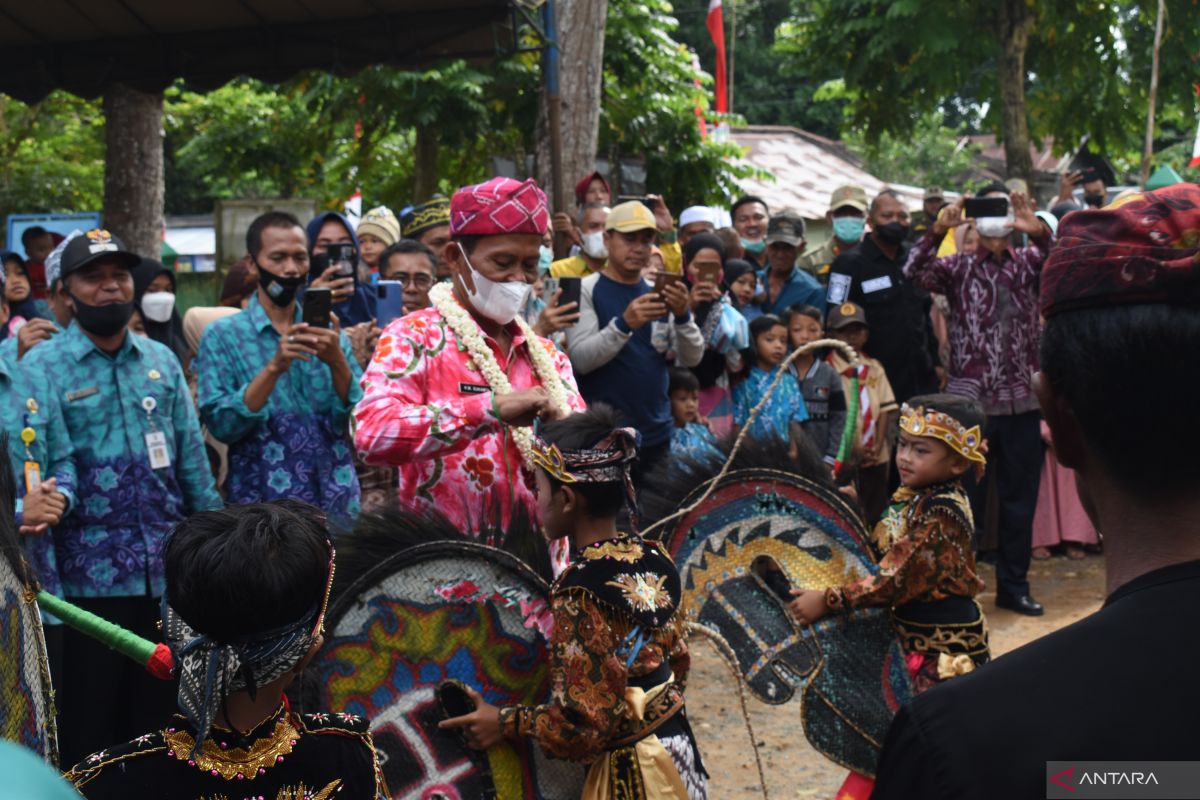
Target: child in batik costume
925 546
618 658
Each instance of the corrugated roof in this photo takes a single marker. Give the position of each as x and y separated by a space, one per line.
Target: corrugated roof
84 46
807 168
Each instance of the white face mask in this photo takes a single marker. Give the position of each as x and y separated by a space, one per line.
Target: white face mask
499 302
593 245
994 227
157 306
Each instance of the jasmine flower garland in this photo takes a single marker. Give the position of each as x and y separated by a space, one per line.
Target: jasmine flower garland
470 336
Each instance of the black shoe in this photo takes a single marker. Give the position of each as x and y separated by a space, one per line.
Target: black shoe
1025 604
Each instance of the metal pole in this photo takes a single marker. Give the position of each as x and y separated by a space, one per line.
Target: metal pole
1148 150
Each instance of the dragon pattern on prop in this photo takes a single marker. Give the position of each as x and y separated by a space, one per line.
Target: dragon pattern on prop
848 670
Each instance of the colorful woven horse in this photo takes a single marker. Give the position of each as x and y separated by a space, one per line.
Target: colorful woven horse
401 624
848 669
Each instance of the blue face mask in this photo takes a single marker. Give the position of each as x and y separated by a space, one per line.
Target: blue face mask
754 247
545 256
849 229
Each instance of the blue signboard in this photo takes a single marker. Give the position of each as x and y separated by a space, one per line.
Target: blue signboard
55 223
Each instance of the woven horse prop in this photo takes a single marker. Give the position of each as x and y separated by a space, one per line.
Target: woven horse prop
727 524
414 604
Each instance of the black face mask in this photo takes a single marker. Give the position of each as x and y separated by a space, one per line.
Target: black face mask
282 291
1095 200
893 232
102 321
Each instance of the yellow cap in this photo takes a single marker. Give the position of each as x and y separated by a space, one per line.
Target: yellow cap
629 217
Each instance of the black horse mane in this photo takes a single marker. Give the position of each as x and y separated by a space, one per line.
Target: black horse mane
666 489
383 532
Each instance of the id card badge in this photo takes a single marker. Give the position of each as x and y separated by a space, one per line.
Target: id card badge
156 446
33 476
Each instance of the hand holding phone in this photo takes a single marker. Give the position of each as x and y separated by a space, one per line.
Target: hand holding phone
664 279
318 304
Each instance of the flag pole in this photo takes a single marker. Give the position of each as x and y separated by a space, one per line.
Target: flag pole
732 46
1148 150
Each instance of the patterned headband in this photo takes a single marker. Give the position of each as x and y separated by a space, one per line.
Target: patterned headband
608 461
941 426
210 670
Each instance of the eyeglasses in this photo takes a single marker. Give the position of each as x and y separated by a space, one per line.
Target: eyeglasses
420 279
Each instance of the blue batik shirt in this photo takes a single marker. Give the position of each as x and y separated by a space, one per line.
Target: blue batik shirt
694 441
785 406
22 407
296 446
110 545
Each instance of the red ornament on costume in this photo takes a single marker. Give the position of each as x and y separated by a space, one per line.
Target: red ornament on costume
499 206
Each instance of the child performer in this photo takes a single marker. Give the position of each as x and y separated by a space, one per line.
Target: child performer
820 384
924 544
691 437
784 412
876 409
618 658
243 612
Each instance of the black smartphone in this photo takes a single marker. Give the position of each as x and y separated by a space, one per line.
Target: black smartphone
344 257
454 700
625 198
976 207
571 289
317 306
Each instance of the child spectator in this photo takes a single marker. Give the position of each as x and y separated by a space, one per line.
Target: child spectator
819 384
243 611
691 437
742 281
876 408
784 412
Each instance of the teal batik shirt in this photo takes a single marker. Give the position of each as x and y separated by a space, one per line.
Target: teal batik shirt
110 545
21 408
295 447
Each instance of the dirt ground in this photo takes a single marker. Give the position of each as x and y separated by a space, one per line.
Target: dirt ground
1068 589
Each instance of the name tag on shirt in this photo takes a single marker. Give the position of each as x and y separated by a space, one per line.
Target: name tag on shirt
839 288
79 394
473 388
877 284
156 446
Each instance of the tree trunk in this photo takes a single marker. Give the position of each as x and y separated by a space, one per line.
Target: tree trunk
133 168
1014 123
425 170
581 67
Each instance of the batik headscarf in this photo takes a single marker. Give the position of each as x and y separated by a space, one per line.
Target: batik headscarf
609 460
209 670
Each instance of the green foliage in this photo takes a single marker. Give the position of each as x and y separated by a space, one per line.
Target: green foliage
1088 65
933 155
652 88
51 155
767 90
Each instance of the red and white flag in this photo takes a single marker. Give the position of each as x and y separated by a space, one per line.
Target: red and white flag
716 29
1195 162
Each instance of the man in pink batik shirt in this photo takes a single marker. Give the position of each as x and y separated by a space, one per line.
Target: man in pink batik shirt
452 390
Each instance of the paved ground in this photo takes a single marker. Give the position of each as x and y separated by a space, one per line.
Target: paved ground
1068 589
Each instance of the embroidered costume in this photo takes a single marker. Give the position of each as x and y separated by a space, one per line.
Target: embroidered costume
927 574
285 757
619 664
